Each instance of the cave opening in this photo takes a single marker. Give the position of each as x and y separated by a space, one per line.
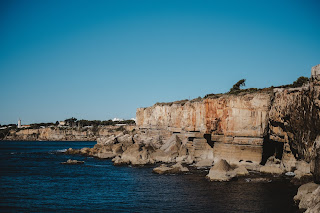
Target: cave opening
209 141
271 148
191 138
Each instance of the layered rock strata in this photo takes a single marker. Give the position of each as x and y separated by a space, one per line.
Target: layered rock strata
66 133
278 128
247 129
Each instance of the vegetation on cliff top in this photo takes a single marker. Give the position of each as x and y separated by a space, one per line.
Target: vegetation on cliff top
69 123
237 90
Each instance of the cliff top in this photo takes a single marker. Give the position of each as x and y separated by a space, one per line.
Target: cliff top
236 91
301 82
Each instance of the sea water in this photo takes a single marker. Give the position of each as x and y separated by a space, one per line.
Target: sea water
33 180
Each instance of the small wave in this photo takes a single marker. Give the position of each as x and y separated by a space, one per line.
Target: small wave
61 150
57 151
92 165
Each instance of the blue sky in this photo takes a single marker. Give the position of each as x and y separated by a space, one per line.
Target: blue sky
104 59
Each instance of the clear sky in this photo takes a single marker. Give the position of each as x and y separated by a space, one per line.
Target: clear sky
103 59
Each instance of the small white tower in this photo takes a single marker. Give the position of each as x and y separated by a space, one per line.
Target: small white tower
19 123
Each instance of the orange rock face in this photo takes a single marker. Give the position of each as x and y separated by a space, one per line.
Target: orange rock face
229 115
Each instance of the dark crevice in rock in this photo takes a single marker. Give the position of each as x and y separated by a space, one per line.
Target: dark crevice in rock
209 141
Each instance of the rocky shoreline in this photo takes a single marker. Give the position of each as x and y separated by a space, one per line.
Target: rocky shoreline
177 156
273 132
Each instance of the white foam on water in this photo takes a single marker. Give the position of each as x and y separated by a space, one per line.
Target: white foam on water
61 150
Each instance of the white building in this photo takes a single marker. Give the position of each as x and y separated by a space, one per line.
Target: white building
19 123
117 119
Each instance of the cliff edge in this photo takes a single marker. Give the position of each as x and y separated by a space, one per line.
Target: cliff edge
249 128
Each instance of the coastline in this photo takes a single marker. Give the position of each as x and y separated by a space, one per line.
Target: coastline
271 131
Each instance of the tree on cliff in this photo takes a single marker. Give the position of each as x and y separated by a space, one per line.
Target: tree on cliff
300 81
236 87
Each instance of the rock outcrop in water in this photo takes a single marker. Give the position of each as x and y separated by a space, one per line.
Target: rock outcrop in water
308 198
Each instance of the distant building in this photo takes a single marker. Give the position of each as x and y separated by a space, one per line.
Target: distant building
25 126
19 123
117 119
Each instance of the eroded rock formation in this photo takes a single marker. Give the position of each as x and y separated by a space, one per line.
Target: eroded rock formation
65 133
272 130
249 128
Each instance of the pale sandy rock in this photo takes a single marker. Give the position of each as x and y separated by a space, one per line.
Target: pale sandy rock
238 154
272 166
117 149
309 197
172 145
177 168
202 150
219 171
299 174
271 170
258 180
273 161
239 171
181 159
315 72
106 140
72 162
253 167
160 156
243 115
117 161
106 155
204 163
304 190
303 167
314 202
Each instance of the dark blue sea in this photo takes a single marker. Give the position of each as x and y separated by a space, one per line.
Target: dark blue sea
33 180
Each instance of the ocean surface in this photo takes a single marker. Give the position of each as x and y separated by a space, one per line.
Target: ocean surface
33 180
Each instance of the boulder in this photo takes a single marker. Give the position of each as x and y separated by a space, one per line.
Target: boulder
117 161
271 170
314 202
172 145
204 163
219 171
304 190
71 151
240 171
303 167
272 166
160 156
72 162
308 197
177 168
105 155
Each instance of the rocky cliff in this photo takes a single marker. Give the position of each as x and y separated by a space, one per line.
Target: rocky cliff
65 133
271 131
249 128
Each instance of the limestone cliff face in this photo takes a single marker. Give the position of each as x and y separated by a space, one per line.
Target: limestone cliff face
250 127
229 115
294 120
188 117
65 134
236 124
